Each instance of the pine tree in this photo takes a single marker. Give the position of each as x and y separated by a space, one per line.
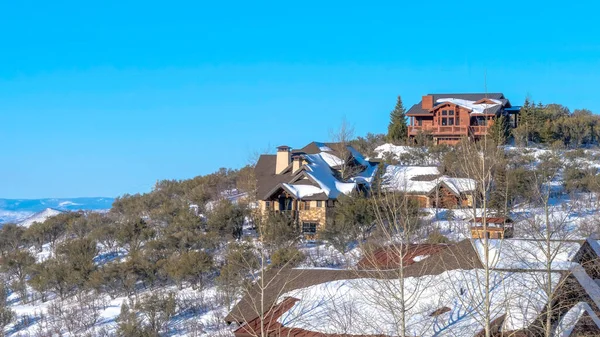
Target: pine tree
6 315
397 129
500 131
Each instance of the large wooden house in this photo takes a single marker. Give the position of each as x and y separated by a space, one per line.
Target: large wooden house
450 117
305 183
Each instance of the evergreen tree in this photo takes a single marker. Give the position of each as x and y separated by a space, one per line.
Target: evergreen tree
397 129
6 315
500 130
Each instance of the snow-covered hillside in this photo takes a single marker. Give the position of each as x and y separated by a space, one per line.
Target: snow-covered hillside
18 210
39 217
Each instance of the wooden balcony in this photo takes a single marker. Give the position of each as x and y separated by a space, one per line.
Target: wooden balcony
449 130
479 130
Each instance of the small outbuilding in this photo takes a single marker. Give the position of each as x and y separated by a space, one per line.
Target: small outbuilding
492 227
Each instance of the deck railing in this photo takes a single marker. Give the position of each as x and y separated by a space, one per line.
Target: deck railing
449 130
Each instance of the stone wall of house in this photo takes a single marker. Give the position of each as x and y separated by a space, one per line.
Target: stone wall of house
314 214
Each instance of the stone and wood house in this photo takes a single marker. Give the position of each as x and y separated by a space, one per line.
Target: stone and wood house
305 183
450 117
428 187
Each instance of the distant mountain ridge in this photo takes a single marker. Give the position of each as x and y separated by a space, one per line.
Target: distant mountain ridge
17 210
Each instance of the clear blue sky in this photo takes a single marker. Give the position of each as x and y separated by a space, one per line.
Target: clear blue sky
104 98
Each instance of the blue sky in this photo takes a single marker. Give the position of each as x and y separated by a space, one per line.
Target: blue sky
103 99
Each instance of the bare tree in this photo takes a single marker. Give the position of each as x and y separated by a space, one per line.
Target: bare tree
479 161
397 224
342 138
552 234
248 278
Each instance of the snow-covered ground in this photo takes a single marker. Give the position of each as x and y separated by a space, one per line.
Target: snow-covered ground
200 312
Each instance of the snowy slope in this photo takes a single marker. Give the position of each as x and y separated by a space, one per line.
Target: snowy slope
39 217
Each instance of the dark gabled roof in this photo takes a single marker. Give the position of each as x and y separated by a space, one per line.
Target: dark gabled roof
266 179
390 257
315 147
418 110
279 282
493 220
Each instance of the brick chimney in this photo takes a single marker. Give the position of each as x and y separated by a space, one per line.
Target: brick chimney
427 102
283 158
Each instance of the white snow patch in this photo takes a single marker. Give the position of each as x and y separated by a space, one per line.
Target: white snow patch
39 217
528 254
393 150
465 103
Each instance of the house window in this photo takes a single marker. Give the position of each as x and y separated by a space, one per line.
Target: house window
304 205
444 121
419 122
319 203
309 228
444 112
267 204
457 121
450 121
451 112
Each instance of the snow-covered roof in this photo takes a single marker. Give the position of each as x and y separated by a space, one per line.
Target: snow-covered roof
368 306
321 172
589 285
528 254
471 105
567 324
406 179
318 175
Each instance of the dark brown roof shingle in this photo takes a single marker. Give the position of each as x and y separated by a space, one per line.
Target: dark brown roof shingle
418 110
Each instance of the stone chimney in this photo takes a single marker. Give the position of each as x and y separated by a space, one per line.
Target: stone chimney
296 163
283 158
427 102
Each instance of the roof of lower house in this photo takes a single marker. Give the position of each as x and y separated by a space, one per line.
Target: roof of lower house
417 109
390 257
317 179
280 281
321 302
492 220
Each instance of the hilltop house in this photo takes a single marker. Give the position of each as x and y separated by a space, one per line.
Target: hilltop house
305 183
450 117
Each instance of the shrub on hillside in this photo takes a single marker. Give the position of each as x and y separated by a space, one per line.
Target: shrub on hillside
286 257
437 237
